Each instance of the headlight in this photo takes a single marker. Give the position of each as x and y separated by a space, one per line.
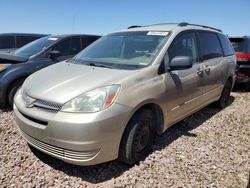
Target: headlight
92 101
4 66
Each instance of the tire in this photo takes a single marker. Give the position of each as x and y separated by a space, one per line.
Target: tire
12 91
223 102
138 138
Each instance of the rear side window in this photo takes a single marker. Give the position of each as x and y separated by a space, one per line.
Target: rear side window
22 40
239 44
226 45
209 45
7 42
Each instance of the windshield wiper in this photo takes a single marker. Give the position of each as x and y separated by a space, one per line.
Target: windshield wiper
100 65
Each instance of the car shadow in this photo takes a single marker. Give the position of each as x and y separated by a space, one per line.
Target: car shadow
106 171
240 88
5 109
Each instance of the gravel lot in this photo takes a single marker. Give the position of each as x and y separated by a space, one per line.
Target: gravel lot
209 149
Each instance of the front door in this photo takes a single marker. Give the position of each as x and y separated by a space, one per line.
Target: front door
183 87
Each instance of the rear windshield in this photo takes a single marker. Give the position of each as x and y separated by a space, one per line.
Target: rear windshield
238 44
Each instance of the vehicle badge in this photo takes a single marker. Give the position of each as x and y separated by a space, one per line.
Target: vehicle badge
29 102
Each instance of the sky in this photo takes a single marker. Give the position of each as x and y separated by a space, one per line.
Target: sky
105 16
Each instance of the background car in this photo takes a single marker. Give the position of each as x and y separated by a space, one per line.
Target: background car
14 68
11 41
242 48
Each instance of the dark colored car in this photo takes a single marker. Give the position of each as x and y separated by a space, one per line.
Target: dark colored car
11 41
14 68
242 48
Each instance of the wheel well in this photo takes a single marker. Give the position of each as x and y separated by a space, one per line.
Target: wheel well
12 83
157 111
230 79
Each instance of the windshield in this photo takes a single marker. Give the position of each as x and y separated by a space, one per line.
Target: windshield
35 46
125 50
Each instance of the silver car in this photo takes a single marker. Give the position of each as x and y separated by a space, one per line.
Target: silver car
114 97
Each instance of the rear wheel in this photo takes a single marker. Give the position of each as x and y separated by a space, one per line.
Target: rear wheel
12 91
225 95
138 137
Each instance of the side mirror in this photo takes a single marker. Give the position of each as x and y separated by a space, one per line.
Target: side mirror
53 54
181 62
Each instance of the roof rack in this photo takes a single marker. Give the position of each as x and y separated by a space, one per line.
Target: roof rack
134 26
182 24
204 26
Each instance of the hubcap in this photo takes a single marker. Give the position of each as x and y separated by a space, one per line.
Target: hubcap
142 135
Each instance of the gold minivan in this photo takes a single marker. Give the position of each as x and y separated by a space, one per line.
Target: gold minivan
111 99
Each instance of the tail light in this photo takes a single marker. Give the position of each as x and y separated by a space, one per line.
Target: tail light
240 74
243 57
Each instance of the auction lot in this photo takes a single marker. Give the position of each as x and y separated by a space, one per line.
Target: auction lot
209 148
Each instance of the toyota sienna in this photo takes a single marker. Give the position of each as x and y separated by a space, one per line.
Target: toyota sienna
115 96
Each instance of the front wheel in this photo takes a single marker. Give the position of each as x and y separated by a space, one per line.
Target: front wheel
225 95
138 138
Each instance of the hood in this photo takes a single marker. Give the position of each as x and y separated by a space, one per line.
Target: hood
62 82
11 58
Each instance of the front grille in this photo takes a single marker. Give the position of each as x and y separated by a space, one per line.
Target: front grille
47 106
41 104
68 154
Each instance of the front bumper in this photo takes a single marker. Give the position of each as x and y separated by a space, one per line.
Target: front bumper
81 139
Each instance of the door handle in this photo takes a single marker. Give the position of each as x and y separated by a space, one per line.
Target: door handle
199 71
207 69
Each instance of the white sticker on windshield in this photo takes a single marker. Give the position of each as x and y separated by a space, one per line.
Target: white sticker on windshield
159 33
143 64
52 38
